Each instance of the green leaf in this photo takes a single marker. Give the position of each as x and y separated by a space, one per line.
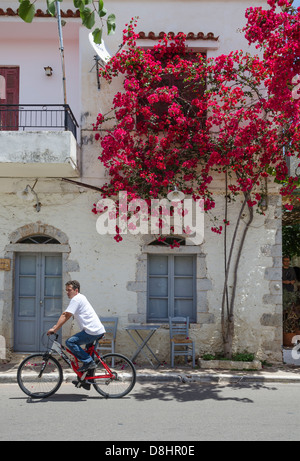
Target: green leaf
103 12
80 4
88 18
26 10
111 29
51 7
111 19
111 24
97 34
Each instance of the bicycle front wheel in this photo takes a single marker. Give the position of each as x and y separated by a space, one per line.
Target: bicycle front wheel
123 380
39 375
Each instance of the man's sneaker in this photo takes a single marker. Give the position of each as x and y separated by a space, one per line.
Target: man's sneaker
85 386
87 366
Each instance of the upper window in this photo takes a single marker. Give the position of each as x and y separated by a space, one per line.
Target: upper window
171 79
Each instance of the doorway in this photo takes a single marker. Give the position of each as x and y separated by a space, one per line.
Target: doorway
38 298
9 98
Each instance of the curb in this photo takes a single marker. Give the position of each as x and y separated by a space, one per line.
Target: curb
219 378
11 377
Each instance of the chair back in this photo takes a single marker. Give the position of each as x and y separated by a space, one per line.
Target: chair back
180 343
179 326
110 325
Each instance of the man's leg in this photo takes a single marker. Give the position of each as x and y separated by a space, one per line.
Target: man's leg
78 340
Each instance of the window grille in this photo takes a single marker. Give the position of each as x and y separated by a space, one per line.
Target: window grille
39 239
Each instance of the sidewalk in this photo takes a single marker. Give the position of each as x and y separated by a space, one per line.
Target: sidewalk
278 373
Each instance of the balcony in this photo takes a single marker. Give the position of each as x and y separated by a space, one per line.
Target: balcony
38 141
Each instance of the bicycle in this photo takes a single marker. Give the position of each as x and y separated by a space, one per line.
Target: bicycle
40 375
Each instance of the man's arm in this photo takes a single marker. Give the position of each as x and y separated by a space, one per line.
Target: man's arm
61 321
288 282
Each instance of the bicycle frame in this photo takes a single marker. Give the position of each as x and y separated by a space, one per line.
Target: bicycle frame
59 349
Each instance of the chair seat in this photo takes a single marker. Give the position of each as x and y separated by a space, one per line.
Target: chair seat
105 341
182 341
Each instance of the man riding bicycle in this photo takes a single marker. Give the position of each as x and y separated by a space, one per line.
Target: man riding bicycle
89 323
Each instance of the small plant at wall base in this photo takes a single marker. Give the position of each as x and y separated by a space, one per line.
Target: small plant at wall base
238 357
183 121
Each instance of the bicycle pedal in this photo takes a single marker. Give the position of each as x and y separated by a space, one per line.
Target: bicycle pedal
80 384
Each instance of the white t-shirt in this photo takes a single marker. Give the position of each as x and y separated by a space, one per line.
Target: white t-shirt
85 315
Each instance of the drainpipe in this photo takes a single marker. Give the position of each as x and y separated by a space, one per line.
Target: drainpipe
61 50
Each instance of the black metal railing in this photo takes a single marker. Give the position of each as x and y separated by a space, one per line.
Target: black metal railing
14 117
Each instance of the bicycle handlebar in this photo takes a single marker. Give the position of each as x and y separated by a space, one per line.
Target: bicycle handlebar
54 334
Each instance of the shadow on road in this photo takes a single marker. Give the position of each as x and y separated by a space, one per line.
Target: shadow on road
192 391
164 391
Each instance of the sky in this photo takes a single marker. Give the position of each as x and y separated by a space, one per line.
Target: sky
296 3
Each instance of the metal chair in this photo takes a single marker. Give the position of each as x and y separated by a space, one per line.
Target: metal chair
107 343
180 343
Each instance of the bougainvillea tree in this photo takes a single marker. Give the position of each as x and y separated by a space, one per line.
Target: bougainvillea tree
183 121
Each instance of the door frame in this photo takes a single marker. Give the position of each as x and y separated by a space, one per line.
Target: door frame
68 266
9 281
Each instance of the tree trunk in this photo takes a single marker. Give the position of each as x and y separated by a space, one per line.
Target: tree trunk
229 335
229 319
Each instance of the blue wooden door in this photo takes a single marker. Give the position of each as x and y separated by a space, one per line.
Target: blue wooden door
38 298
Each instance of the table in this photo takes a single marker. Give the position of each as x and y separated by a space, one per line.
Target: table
142 341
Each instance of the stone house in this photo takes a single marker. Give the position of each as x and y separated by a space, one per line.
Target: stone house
49 167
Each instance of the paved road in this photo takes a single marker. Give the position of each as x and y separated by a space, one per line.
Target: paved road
155 412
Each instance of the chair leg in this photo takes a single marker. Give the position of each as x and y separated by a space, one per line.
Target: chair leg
113 350
186 354
193 352
172 356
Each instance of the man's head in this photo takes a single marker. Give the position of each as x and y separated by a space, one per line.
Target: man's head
286 262
72 288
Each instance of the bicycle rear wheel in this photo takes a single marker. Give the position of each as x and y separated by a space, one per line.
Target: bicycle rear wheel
39 375
124 376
